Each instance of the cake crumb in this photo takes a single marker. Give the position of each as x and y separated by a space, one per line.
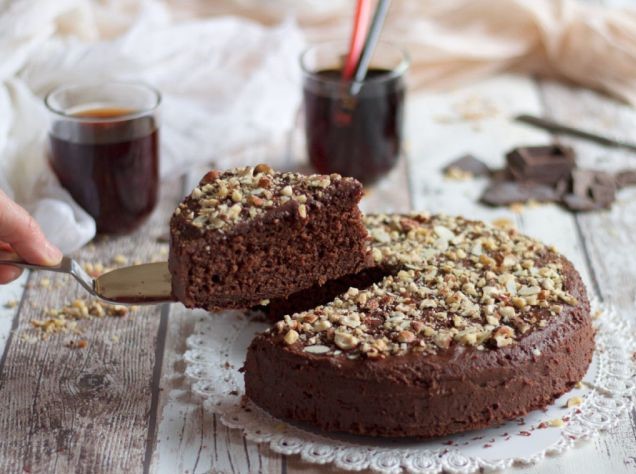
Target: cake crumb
77 344
578 384
45 282
120 260
574 401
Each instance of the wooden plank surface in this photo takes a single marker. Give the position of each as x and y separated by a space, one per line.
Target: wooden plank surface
83 410
92 410
608 235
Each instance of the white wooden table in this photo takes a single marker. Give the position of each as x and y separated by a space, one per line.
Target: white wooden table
122 404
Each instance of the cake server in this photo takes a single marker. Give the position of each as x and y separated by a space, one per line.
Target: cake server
149 283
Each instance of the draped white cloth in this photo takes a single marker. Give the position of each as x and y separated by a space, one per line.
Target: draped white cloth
228 70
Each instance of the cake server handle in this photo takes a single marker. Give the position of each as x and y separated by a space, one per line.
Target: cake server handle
148 283
66 265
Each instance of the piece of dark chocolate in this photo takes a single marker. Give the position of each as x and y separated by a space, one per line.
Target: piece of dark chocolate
468 164
504 193
591 190
541 164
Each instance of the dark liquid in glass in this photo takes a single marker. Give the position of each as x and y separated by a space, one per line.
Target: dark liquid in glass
111 168
359 136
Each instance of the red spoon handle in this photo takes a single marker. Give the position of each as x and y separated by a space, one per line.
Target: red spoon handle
360 27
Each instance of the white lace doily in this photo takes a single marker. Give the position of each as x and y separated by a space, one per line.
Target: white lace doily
217 350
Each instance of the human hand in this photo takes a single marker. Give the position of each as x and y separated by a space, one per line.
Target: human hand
20 233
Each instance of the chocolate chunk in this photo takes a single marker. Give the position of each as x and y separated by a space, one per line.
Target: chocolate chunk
504 193
591 190
626 178
468 164
578 203
541 164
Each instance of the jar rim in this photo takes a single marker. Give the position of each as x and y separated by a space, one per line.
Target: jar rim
136 113
391 74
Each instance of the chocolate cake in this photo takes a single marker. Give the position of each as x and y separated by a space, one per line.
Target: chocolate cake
471 326
250 234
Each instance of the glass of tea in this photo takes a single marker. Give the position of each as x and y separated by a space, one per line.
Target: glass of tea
354 129
104 149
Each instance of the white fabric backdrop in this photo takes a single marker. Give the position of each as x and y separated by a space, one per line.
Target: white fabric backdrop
230 82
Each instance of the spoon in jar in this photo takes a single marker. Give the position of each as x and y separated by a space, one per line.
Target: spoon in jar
149 283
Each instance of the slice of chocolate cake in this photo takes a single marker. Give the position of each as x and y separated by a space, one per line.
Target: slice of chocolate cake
251 234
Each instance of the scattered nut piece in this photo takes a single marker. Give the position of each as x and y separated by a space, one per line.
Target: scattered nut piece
11 304
556 423
574 401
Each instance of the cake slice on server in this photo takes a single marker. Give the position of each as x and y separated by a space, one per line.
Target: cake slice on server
250 234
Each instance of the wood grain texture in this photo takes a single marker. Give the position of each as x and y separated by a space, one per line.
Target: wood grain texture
92 410
190 439
82 410
609 239
11 297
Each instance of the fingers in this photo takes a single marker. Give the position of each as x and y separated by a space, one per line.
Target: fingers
9 273
19 229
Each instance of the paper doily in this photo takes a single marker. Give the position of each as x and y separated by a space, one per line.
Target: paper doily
217 350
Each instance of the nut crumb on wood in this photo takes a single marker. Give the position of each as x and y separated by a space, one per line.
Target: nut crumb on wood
11 304
65 319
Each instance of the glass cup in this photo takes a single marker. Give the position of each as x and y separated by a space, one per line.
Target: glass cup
104 149
354 134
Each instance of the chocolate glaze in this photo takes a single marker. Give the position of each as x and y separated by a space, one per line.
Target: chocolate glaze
424 395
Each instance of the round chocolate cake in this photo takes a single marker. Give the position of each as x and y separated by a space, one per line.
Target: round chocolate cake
471 326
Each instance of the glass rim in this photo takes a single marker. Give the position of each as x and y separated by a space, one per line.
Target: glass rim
137 113
393 73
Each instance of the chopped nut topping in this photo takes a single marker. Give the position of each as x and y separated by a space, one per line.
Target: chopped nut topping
453 281
317 349
302 211
223 199
345 340
291 337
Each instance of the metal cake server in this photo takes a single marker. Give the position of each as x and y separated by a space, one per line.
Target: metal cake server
149 283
